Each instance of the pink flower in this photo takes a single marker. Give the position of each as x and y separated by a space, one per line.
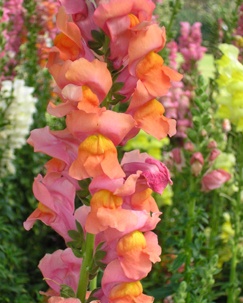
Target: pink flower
214 180
155 174
61 267
56 204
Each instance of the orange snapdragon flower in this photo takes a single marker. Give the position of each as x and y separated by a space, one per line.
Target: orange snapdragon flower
97 155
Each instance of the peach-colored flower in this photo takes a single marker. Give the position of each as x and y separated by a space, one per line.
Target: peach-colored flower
106 212
97 155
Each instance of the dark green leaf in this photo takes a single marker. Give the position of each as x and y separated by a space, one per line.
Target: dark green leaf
74 234
117 86
79 227
97 36
199 91
195 111
165 291
94 44
192 135
99 255
67 292
77 253
99 245
177 263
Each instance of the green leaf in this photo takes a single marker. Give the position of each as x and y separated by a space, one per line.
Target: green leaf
79 227
165 291
199 91
77 253
74 234
192 135
204 97
195 111
97 36
200 81
94 44
177 263
99 255
117 86
119 97
198 103
82 193
67 292
206 118
99 246
85 201
101 265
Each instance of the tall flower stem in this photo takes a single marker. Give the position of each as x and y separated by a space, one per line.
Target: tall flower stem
214 223
189 233
237 214
84 275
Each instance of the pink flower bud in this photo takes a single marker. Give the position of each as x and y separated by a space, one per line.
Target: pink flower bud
214 179
197 157
214 154
189 146
176 153
212 144
203 132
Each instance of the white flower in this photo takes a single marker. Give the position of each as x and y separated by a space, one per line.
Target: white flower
17 106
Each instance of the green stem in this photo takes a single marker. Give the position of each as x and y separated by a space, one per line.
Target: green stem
214 224
168 28
93 283
233 272
84 275
189 234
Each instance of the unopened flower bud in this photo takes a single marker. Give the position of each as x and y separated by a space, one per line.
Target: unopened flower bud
214 154
189 146
196 168
212 144
203 132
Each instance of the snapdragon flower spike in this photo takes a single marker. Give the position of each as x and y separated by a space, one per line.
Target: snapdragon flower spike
97 155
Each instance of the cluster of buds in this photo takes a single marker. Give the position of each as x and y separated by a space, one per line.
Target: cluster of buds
190 45
177 101
212 178
106 53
